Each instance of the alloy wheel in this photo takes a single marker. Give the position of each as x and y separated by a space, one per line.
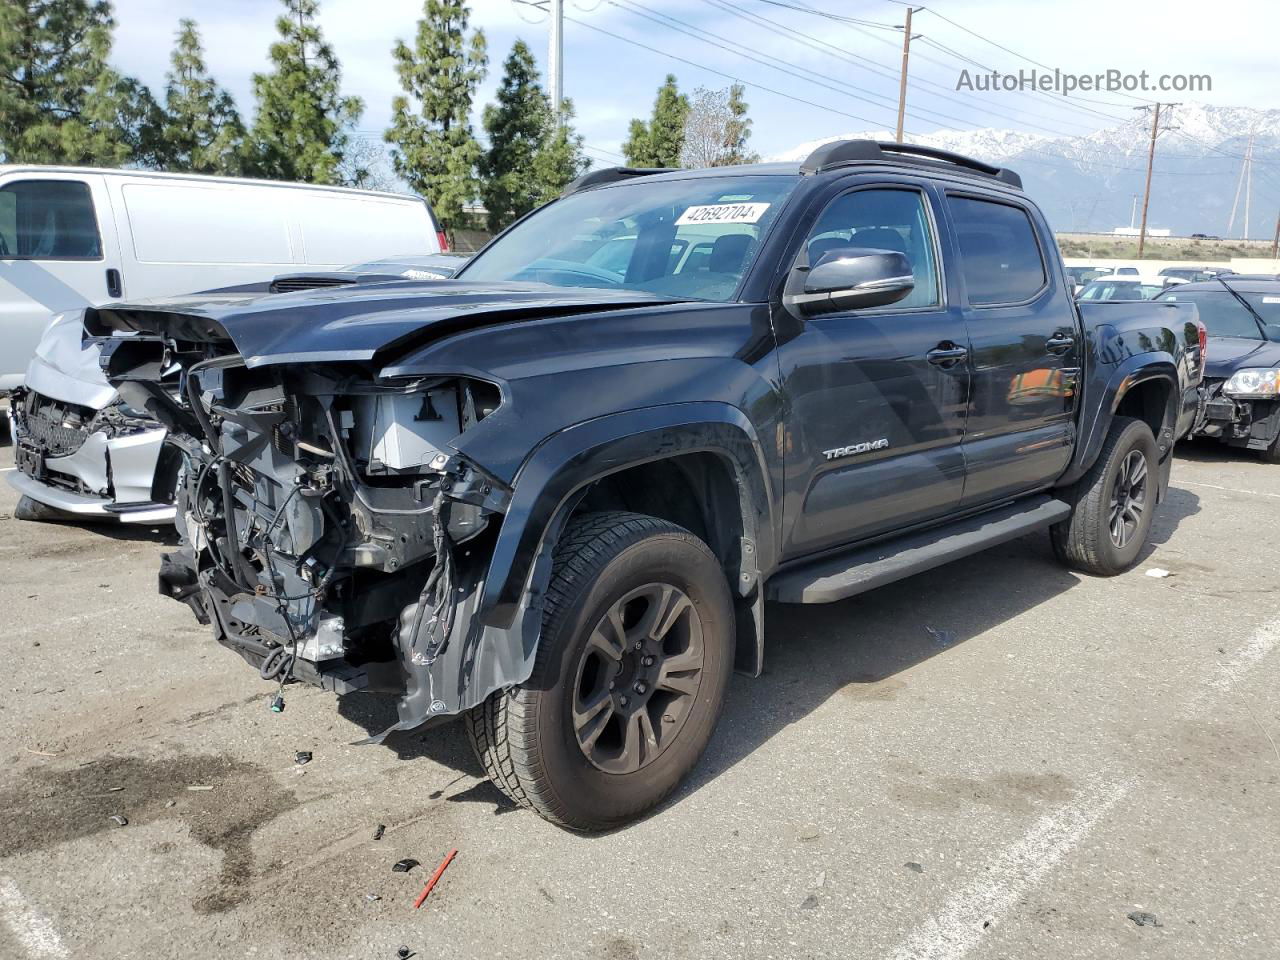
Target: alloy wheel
638 678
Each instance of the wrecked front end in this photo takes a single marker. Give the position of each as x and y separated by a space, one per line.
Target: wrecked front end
329 532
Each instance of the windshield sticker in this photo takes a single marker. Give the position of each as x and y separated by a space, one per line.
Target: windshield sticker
723 213
1271 299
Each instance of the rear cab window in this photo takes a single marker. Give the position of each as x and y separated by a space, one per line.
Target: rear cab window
48 220
1000 255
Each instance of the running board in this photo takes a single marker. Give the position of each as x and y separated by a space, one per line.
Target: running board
848 574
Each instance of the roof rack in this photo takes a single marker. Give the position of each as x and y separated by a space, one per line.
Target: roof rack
841 153
598 178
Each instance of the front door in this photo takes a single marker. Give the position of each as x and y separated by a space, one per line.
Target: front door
877 398
58 252
1024 350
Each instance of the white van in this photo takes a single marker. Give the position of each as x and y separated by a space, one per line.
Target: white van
71 238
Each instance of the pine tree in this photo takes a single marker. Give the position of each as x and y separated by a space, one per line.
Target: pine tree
658 143
561 158
738 130
202 130
433 147
530 157
59 100
300 129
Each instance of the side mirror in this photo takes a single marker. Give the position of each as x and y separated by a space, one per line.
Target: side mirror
853 278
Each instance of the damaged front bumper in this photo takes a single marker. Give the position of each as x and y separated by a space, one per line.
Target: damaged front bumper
96 464
330 534
1252 424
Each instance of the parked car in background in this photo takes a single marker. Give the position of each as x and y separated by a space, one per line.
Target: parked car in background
1241 389
554 496
1189 274
1108 288
75 236
1081 276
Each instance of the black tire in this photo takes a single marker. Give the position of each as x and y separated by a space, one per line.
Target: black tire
1272 453
526 738
1085 541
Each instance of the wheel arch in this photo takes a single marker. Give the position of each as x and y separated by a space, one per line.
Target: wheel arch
1143 386
700 465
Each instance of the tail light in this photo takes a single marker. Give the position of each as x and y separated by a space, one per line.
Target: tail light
443 239
1204 346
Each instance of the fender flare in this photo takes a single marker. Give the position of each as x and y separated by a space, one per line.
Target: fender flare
1130 373
552 480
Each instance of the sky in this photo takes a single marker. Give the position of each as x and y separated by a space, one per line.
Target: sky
808 75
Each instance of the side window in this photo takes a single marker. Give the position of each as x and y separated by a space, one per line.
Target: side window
882 219
48 220
999 254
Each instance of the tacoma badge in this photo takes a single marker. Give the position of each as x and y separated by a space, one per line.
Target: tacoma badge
853 448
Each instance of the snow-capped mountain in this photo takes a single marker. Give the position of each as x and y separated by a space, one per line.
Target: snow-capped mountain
1088 183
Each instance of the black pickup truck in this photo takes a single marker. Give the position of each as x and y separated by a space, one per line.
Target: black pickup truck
554 493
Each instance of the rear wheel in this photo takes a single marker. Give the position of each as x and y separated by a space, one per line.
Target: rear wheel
629 679
1112 504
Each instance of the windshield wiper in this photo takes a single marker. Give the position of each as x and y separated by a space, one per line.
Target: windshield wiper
1262 324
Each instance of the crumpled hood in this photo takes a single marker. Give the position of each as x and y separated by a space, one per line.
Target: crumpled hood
1229 354
360 323
66 368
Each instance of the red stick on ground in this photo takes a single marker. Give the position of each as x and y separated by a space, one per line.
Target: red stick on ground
434 877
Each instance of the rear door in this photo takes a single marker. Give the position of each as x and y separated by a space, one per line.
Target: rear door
58 252
1025 348
877 398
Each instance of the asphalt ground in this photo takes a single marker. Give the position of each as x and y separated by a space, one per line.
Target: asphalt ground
997 759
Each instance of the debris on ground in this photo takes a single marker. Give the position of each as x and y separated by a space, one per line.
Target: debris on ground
405 865
1159 573
404 953
119 820
171 803
943 638
821 880
809 902
381 829
199 787
301 757
1144 919
435 877
809 832
912 865
372 897
114 789
39 753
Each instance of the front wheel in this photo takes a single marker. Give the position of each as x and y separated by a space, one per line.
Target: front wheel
1112 504
630 675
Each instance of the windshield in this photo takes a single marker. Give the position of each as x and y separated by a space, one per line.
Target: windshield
1224 316
686 239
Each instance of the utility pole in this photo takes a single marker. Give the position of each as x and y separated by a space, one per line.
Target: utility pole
555 58
1275 243
902 84
1151 160
1246 170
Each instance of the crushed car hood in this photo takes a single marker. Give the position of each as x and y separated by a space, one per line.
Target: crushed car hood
65 368
361 323
1229 354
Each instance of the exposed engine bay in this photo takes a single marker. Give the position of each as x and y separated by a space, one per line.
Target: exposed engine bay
329 534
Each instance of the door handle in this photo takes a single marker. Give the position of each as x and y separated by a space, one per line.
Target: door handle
947 354
1060 343
114 290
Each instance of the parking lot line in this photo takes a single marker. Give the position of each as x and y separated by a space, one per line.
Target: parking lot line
1216 486
31 928
962 922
